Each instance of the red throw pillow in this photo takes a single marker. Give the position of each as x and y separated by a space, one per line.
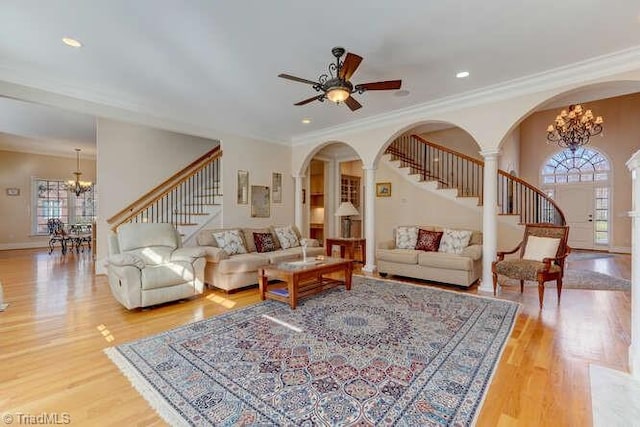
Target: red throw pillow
264 242
428 240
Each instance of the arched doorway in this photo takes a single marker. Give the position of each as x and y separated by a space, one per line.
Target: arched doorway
335 176
579 181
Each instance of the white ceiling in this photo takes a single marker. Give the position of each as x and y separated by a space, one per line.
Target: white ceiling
46 130
214 64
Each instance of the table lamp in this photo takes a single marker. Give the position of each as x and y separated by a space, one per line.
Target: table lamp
346 210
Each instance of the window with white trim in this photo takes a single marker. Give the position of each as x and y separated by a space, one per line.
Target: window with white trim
51 199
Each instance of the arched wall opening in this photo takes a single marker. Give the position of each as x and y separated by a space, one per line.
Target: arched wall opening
618 103
334 175
444 133
416 195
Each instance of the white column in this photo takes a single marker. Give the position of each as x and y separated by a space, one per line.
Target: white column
489 217
369 217
297 201
634 349
330 198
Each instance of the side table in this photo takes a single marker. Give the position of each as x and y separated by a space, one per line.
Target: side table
348 245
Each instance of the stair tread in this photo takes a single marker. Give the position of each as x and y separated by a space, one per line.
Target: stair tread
191 213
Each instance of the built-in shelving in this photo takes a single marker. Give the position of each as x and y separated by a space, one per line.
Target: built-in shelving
316 201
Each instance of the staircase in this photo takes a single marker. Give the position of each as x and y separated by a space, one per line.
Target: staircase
463 177
190 199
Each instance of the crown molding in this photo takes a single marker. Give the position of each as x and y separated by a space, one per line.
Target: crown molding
569 76
38 87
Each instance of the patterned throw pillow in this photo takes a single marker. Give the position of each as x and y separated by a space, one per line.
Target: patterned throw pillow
454 241
406 237
287 237
428 240
264 242
230 241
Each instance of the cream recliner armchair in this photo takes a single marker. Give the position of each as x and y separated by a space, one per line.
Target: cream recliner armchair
148 266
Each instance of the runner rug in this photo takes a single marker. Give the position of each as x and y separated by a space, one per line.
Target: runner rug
384 353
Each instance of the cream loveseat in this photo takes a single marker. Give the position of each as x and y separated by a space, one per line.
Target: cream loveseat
233 267
456 261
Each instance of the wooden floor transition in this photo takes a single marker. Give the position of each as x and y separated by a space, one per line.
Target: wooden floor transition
61 317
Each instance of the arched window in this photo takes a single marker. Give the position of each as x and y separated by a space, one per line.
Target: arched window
582 166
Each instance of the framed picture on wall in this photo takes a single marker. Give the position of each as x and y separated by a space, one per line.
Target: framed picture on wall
383 189
260 201
276 187
243 187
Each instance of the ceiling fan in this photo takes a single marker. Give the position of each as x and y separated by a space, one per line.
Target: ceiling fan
336 86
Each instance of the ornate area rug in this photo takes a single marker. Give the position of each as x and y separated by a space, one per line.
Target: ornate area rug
579 279
384 353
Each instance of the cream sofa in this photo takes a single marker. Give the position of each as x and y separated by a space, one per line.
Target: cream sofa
230 272
462 269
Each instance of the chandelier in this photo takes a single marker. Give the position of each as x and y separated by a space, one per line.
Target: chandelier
573 128
76 185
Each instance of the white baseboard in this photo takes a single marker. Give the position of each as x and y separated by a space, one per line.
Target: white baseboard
23 245
99 267
620 249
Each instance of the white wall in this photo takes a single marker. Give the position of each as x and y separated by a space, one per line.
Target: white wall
261 159
133 159
509 159
455 139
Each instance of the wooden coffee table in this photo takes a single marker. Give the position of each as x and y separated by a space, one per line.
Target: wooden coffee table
303 279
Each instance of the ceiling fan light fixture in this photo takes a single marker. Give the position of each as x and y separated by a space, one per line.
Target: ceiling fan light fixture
335 84
338 94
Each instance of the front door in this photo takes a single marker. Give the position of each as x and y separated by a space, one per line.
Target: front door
577 203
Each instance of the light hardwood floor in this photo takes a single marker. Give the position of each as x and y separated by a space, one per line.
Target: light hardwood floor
61 317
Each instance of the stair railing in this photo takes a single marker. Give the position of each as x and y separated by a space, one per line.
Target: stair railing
454 170
181 197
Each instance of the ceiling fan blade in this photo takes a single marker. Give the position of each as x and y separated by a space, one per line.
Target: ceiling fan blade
297 79
306 101
352 103
387 85
349 66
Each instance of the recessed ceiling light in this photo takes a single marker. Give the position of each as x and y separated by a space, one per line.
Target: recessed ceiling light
462 74
71 42
306 121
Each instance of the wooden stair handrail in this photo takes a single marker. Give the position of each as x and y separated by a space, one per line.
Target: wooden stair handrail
415 165
505 174
536 190
161 189
449 150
